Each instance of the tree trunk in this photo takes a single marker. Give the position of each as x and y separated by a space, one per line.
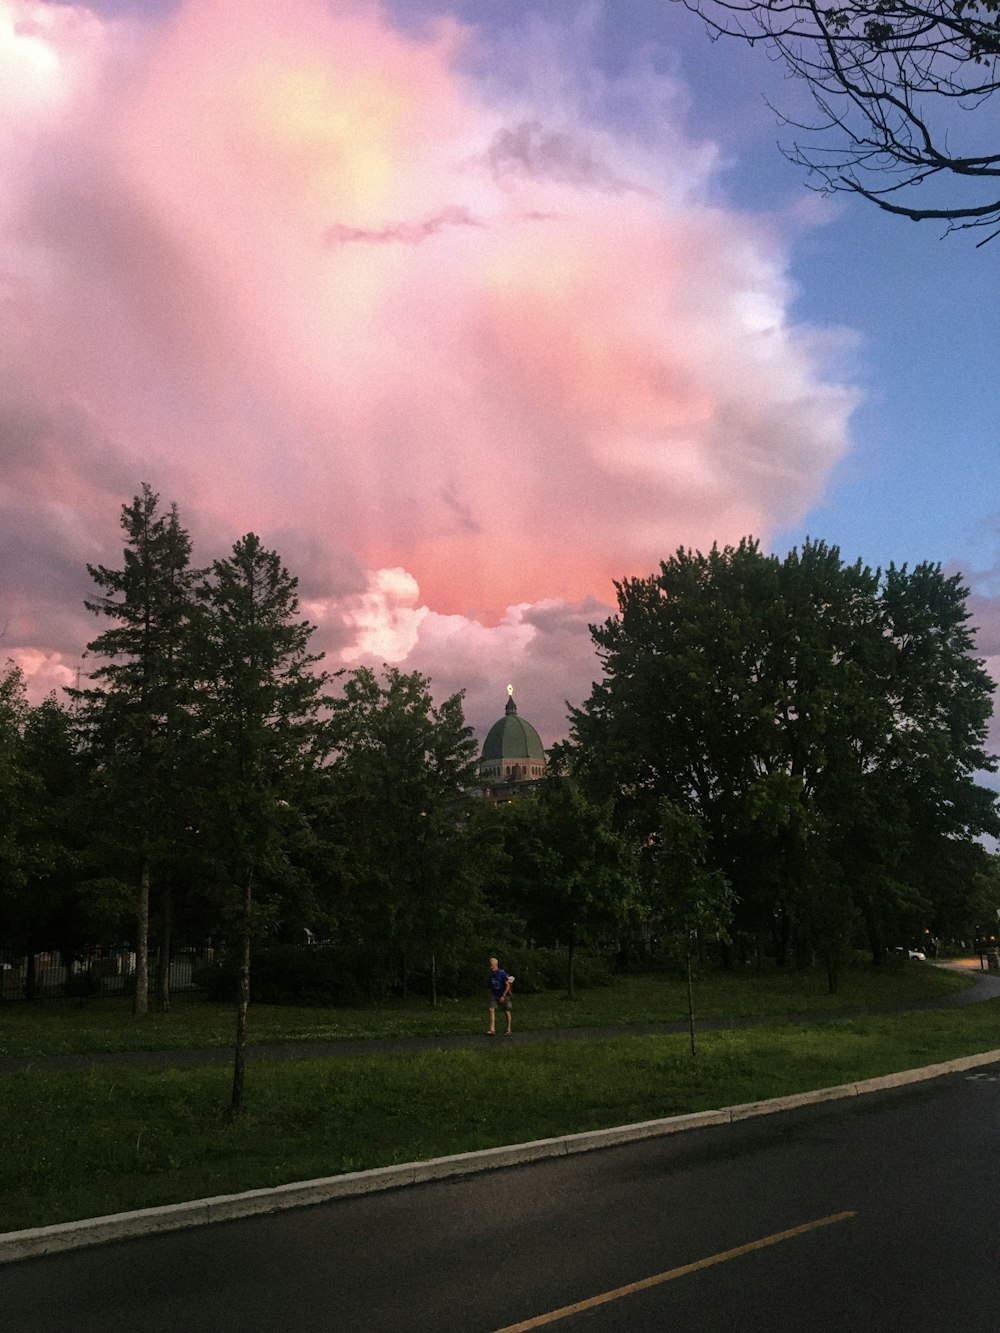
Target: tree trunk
243 1001
434 987
163 961
783 937
727 955
760 950
140 1000
805 954
690 987
831 970
570 978
874 939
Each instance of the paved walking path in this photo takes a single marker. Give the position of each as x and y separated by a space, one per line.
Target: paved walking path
986 986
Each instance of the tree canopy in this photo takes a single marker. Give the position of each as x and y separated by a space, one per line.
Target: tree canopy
401 774
791 743
901 90
820 720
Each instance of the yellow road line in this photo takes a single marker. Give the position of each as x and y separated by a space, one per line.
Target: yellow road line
541 1320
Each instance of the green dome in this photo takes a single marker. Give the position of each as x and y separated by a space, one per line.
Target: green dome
513 738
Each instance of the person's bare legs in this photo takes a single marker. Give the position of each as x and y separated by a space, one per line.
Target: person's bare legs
491 1030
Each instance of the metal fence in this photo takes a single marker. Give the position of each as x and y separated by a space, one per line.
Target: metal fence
103 970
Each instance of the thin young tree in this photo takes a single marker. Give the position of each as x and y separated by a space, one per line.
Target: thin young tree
694 902
259 705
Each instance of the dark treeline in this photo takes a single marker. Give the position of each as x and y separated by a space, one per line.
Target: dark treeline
806 732
210 781
778 763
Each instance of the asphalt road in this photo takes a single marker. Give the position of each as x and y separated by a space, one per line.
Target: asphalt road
896 1192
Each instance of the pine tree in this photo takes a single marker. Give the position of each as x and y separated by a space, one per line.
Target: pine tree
259 705
136 713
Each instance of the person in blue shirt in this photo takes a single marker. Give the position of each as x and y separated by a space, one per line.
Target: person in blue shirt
500 995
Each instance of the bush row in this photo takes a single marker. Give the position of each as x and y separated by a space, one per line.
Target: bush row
339 976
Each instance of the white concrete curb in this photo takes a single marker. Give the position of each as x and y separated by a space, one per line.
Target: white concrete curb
224 1207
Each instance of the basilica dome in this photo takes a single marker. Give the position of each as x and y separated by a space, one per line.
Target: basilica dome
512 751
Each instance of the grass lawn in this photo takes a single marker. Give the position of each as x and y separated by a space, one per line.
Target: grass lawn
107 1140
88 1143
69 1027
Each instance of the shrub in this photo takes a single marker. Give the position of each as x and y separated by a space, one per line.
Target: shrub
317 974
534 969
82 986
341 976
216 979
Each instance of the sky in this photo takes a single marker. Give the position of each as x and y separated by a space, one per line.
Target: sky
468 309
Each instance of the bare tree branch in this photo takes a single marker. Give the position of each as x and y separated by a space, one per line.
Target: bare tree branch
888 79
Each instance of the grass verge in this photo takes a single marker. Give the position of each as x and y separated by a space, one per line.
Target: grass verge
85 1144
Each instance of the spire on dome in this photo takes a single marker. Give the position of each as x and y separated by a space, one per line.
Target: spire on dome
511 705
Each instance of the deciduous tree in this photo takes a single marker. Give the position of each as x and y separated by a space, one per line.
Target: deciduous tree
807 712
402 772
693 902
573 876
19 789
903 90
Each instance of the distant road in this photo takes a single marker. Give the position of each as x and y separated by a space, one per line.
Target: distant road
896 1193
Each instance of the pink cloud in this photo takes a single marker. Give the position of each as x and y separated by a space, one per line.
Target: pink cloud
464 355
